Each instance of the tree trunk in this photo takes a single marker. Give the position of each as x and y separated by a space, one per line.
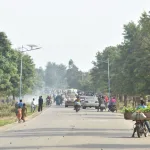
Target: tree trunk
133 101
14 97
125 100
120 98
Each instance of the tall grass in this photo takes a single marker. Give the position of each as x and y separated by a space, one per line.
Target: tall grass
6 110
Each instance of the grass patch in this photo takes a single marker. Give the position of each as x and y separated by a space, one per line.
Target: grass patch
6 110
6 121
8 116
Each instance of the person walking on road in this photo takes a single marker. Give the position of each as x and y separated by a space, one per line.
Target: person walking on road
20 103
19 114
24 112
40 104
33 106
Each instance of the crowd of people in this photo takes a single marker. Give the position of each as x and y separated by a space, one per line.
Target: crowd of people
58 97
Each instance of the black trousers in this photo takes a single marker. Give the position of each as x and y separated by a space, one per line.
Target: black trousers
40 108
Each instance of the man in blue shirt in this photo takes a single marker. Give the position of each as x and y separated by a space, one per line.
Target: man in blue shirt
142 105
20 103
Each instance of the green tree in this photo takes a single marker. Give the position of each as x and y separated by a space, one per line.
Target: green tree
86 82
55 75
73 75
8 67
129 65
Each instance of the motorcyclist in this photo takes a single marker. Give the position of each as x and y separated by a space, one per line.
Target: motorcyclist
77 100
48 100
112 102
101 101
142 105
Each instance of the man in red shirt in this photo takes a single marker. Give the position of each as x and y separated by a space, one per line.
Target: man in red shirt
106 100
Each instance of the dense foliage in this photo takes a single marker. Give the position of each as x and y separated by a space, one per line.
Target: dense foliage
129 67
129 61
10 69
130 109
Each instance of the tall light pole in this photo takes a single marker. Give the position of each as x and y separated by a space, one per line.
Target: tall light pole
108 62
24 49
108 76
108 79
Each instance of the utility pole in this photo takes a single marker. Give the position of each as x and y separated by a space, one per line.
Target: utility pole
108 62
108 80
21 66
21 74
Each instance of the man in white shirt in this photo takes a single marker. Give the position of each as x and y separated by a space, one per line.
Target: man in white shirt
33 106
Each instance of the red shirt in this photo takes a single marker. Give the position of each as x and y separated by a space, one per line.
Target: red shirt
106 99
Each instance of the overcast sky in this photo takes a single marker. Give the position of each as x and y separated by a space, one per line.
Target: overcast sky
68 28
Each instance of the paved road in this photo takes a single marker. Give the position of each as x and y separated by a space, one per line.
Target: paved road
61 128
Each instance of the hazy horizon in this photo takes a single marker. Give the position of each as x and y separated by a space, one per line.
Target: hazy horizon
68 29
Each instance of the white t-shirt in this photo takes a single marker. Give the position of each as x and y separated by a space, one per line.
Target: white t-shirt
33 103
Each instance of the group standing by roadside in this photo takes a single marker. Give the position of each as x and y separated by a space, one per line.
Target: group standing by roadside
40 105
21 111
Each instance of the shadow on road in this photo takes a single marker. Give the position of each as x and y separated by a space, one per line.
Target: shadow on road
90 114
46 132
92 146
104 118
66 129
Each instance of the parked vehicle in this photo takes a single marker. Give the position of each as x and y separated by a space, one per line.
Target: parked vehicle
140 128
102 107
90 101
82 99
70 100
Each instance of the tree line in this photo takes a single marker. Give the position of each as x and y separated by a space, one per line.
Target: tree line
59 76
10 69
129 67
129 62
54 76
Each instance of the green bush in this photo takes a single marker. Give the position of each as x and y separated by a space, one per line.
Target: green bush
6 110
131 109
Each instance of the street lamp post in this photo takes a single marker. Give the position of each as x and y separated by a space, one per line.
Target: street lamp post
21 75
108 76
32 47
108 79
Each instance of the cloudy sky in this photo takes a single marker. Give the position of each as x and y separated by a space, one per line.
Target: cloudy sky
67 29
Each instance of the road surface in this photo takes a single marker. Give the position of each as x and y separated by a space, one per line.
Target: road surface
60 128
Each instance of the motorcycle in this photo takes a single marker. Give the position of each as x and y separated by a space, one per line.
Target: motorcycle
77 106
50 104
101 107
47 102
140 128
112 108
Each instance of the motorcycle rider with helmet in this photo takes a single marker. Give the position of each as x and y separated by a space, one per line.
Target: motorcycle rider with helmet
112 103
77 100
